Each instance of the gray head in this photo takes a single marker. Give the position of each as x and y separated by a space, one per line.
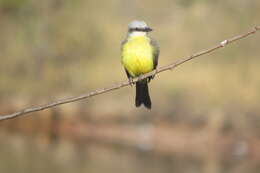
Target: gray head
140 26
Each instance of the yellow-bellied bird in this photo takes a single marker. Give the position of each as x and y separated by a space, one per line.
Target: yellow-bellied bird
139 55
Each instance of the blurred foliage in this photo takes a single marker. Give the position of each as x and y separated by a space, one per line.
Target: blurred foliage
12 6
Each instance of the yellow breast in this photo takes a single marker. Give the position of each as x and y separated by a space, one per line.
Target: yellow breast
137 55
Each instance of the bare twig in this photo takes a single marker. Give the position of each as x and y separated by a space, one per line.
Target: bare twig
126 83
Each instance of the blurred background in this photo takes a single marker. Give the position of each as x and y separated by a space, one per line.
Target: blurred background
205 116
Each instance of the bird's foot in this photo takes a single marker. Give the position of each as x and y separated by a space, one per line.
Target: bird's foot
131 82
151 77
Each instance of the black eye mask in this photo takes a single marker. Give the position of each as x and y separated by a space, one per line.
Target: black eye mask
147 29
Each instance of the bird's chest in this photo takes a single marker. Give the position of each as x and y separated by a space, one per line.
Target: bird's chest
138 56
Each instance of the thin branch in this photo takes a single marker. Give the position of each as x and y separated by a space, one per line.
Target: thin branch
126 83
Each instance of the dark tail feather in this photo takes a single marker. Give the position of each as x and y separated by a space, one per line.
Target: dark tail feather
142 95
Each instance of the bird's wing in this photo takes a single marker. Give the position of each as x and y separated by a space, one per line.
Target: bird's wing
156 52
122 45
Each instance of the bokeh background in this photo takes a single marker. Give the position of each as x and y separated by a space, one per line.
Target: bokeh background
205 115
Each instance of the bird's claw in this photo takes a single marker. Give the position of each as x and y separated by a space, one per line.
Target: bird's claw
131 82
152 77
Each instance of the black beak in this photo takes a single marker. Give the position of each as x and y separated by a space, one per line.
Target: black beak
148 29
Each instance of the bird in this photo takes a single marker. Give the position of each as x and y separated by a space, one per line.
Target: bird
139 55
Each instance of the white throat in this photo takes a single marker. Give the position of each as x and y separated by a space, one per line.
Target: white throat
136 33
